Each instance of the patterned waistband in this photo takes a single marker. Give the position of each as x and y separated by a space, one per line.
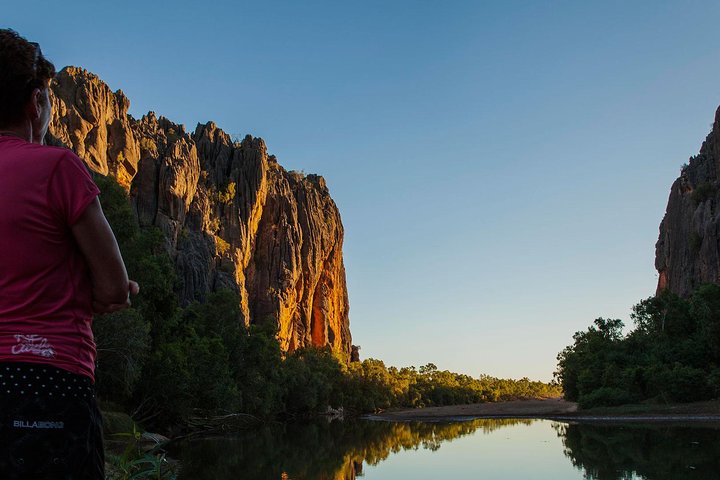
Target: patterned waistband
25 379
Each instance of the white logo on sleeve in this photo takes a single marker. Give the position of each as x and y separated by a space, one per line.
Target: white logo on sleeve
34 344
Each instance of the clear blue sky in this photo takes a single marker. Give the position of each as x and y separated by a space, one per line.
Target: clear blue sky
501 167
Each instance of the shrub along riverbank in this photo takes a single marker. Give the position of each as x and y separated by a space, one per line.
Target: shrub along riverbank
672 355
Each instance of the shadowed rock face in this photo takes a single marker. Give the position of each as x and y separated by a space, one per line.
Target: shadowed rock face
232 217
687 252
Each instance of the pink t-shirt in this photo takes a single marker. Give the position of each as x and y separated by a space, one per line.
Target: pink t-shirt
45 288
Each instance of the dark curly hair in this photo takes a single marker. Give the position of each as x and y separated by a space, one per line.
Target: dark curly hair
23 68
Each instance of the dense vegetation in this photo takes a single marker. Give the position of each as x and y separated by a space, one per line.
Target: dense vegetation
164 362
671 355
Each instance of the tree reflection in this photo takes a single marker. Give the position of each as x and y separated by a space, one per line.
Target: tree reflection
655 451
318 451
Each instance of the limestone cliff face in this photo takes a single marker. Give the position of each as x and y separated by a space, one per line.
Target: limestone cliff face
93 120
232 217
687 253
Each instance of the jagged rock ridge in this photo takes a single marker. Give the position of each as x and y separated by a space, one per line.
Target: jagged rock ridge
687 253
231 215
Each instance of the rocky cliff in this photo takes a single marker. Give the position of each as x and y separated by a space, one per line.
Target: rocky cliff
231 215
687 253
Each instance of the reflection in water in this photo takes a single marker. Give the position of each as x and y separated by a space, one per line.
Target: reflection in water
318 451
654 451
338 450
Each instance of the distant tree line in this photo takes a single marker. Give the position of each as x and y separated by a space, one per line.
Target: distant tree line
371 386
163 362
671 355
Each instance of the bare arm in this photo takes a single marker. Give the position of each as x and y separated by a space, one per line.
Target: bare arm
110 284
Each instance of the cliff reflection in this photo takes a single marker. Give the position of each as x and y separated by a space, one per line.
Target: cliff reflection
318 451
611 451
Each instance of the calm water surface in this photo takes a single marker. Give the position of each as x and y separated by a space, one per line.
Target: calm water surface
484 448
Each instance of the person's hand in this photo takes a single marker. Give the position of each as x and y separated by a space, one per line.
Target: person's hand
100 308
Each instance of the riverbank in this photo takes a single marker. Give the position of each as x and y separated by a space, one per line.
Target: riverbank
513 408
556 408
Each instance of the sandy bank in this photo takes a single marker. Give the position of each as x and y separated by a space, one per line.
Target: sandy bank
522 408
556 408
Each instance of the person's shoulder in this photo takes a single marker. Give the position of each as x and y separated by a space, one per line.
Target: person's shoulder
52 151
46 152
53 156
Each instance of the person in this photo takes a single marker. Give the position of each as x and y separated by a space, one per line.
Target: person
59 265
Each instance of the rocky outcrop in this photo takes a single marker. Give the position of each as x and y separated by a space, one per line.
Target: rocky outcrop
687 252
231 216
93 120
297 272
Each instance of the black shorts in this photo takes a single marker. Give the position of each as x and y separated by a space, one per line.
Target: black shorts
50 425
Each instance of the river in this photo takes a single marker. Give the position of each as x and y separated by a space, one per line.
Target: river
505 449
